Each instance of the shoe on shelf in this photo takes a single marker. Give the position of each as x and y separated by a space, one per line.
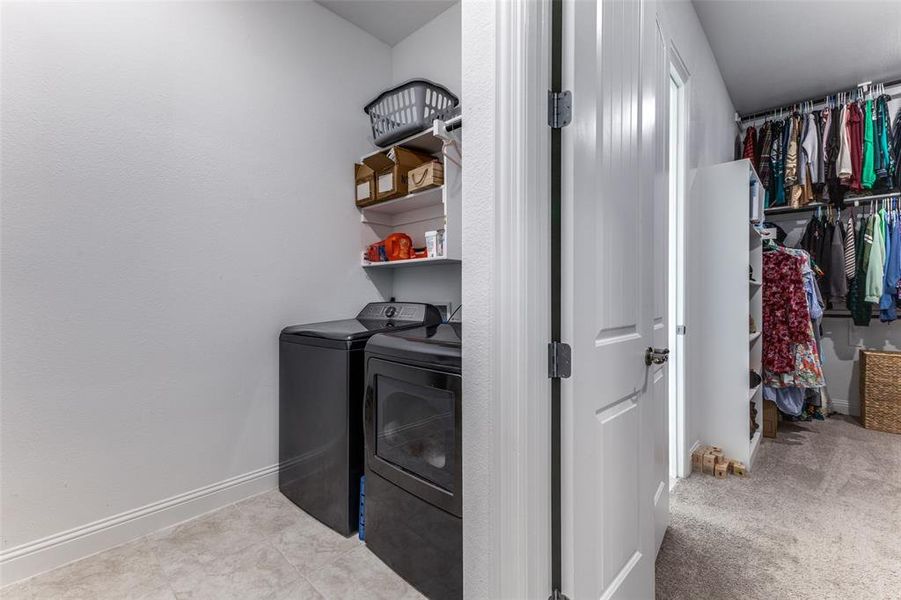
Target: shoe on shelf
755 379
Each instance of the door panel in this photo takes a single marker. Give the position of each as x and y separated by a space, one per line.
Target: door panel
608 304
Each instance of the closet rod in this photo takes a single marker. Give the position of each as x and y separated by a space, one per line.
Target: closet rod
816 205
818 103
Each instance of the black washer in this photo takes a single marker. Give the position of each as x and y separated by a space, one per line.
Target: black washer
320 408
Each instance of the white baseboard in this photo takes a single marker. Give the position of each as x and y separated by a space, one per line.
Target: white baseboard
687 457
843 406
53 551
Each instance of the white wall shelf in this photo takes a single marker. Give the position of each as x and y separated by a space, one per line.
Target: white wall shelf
419 212
755 194
721 243
413 262
414 201
424 141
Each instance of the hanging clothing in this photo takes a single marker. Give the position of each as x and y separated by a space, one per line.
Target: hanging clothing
850 247
885 136
833 145
855 134
838 281
777 197
825 145
880 148
888 309
834 191
807 371
823 255
807 158
791 155
763 165
844 148
816 242
750 145
895 173
785 315
861 311
873 284
820 121
811 147
789 400
868 172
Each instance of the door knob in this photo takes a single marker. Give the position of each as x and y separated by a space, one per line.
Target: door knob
656 356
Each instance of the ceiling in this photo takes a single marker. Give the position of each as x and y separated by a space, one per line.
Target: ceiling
388 20
775 52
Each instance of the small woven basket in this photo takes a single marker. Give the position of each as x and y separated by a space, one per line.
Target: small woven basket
880 390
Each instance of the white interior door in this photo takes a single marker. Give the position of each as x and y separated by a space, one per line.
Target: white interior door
655 97
610 405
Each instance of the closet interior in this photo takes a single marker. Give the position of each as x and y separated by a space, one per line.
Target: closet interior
831 251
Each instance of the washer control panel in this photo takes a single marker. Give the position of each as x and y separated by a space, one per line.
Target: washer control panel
394 311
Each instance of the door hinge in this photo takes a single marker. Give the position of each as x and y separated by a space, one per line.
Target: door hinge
559 109
559 360
680 330
557 595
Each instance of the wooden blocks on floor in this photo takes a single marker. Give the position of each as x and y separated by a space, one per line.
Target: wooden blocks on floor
710 460
721 470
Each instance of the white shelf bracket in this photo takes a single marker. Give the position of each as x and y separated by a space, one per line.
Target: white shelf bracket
439 130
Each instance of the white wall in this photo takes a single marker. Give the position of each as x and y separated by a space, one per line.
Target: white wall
480 555
175 183
506 211
711 127
711 123
431 52
841 344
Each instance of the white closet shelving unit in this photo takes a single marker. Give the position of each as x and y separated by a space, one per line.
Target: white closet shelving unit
725 202
427 210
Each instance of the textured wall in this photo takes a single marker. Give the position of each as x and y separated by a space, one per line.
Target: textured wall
175 190
479 477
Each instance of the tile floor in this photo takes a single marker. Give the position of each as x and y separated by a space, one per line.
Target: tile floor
264 548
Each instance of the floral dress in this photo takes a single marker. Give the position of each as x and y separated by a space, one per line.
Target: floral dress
790 356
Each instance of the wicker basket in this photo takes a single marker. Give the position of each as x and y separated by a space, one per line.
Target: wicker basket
880 390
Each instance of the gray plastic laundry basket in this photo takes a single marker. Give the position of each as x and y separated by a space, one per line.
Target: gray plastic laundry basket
407 109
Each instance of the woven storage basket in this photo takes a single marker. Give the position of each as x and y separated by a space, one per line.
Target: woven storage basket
880 390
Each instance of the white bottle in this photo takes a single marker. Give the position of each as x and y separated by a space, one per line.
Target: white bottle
431 244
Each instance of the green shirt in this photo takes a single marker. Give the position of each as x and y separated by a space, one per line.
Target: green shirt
868 177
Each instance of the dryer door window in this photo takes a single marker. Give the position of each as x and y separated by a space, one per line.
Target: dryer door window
415 430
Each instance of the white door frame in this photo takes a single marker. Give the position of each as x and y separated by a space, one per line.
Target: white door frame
680 452
506 279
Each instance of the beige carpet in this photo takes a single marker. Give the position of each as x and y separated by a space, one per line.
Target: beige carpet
819 518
